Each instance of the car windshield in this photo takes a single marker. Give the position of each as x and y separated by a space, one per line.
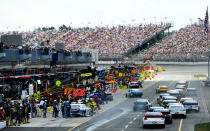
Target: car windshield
154 114
194 103
141 103
135 90
164 87
176 107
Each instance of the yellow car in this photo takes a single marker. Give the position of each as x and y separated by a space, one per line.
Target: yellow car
162 88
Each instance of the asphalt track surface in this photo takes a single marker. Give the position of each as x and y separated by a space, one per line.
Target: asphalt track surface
122 117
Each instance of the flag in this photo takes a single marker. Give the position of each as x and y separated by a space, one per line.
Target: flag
206 22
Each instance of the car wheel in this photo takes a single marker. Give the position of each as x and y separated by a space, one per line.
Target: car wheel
84 113
144 126
163 126
185 116
171 121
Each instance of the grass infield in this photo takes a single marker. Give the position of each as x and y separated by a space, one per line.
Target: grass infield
202 127
200 75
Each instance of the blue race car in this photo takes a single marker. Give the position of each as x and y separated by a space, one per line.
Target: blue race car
134 93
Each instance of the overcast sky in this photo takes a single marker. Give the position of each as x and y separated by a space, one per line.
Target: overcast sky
28 14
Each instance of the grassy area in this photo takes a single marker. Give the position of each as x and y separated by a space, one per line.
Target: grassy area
202 127
200 75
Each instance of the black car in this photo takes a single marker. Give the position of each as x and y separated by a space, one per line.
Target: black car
159 99
166 113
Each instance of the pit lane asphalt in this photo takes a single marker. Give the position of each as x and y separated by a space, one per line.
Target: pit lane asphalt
122 117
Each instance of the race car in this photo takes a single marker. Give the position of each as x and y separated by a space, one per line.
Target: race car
166 102
153 119
141 105
177 109
134 84
151 109
184 99
167 98
180 87
183 83
175 93
166 113
162 88
134 93
190 105
80 109
191 91
159 99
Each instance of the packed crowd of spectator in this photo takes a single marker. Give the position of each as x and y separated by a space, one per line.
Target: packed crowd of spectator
188 43
108 41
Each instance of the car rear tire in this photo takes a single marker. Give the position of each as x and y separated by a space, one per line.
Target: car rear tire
163 126
185 116
144 126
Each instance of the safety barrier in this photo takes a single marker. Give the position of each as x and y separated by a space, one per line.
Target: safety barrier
16 55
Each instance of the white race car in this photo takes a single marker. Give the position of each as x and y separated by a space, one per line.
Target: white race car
177 109
80 109
153 119
191 105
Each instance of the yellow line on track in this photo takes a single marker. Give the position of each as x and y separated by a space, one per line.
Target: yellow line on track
180 125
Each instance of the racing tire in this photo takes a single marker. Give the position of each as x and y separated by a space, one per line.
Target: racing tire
185 116
84 114
163 126
144 126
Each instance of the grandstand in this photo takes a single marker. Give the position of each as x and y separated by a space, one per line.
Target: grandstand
110 42
188 44
115 43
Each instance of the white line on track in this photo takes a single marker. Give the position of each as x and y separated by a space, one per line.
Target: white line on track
122 130
130 122
126 126
138 115
134 118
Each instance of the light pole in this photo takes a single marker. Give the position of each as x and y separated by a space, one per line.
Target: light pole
208 54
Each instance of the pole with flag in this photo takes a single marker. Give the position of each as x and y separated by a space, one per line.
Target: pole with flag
206 30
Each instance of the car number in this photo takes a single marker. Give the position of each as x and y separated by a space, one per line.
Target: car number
154 122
